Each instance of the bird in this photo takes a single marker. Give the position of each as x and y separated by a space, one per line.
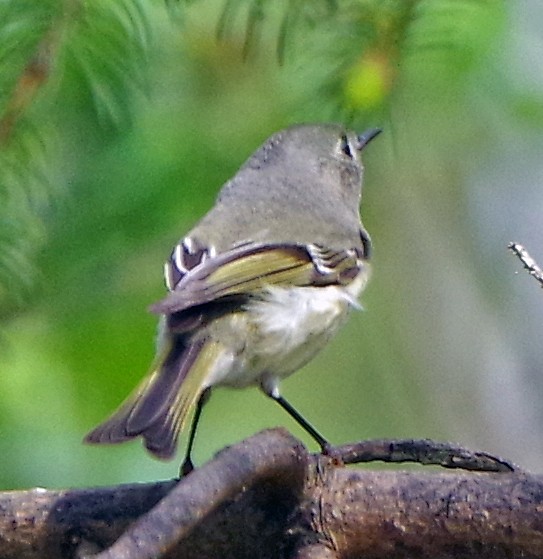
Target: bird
257 288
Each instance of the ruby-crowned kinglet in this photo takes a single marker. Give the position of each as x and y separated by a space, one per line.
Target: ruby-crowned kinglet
258 287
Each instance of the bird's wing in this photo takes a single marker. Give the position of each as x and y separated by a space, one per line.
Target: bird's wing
198 276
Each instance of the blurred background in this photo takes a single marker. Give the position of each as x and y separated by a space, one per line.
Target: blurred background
119 122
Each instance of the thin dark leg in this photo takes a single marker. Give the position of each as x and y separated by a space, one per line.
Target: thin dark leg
187 466
322 442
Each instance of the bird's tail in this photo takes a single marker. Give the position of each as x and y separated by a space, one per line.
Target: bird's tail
159 407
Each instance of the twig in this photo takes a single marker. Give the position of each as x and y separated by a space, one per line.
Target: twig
529 263
421 451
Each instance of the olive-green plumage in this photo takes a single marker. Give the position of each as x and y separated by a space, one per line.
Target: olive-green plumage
259 285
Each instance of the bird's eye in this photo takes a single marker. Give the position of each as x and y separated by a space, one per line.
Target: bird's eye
345 147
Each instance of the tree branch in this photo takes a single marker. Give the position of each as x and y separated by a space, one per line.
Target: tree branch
266 497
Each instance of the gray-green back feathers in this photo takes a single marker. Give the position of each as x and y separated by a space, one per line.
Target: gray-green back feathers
303 185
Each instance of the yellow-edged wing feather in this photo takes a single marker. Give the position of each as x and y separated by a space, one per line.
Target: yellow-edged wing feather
248 269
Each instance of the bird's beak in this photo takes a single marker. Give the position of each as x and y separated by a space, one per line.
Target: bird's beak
366 137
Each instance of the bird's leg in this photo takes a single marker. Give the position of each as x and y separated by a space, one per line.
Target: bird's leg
274 394
187 466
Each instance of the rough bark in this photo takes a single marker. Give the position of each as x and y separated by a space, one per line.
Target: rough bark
268 498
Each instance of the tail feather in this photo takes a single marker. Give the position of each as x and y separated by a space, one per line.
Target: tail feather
159 407
161 438
162 391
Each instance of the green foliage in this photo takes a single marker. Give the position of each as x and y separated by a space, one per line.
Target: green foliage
90 55
119 121
106 48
